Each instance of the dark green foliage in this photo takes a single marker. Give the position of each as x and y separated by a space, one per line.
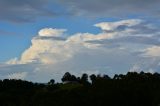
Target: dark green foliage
132 89
51 82
68 77
93 78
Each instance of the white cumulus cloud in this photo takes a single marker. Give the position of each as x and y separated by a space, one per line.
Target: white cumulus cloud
51 32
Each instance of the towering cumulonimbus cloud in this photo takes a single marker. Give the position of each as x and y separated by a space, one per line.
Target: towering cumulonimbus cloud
47 48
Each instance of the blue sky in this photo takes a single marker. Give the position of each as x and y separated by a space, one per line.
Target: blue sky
43 39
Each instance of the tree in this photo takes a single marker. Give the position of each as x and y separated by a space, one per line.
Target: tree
93 78
84 78
116 76
67 77
73 78
106 77
51 82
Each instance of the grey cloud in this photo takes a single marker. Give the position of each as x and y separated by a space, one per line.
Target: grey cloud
113 8
50 38
143 33
8 69
119 28
150 65
144 27
28 10
128 39
23 10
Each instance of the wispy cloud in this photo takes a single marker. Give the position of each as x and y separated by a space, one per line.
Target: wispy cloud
21 11
112 8
29 11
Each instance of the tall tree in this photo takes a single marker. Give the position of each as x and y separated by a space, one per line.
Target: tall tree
67 77
51 82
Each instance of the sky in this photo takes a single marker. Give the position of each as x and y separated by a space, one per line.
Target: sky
42 39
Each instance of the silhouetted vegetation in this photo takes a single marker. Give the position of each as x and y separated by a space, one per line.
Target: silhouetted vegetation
132 89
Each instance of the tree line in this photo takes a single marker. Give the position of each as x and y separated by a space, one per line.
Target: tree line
131 89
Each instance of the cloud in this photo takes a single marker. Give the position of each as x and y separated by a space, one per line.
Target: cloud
153 51
111 8
110 26
44 50
29 11
143 40
51 32
19 75
13 61
52 53
20 11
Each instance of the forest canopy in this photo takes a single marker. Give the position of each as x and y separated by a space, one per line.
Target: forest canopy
132 89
